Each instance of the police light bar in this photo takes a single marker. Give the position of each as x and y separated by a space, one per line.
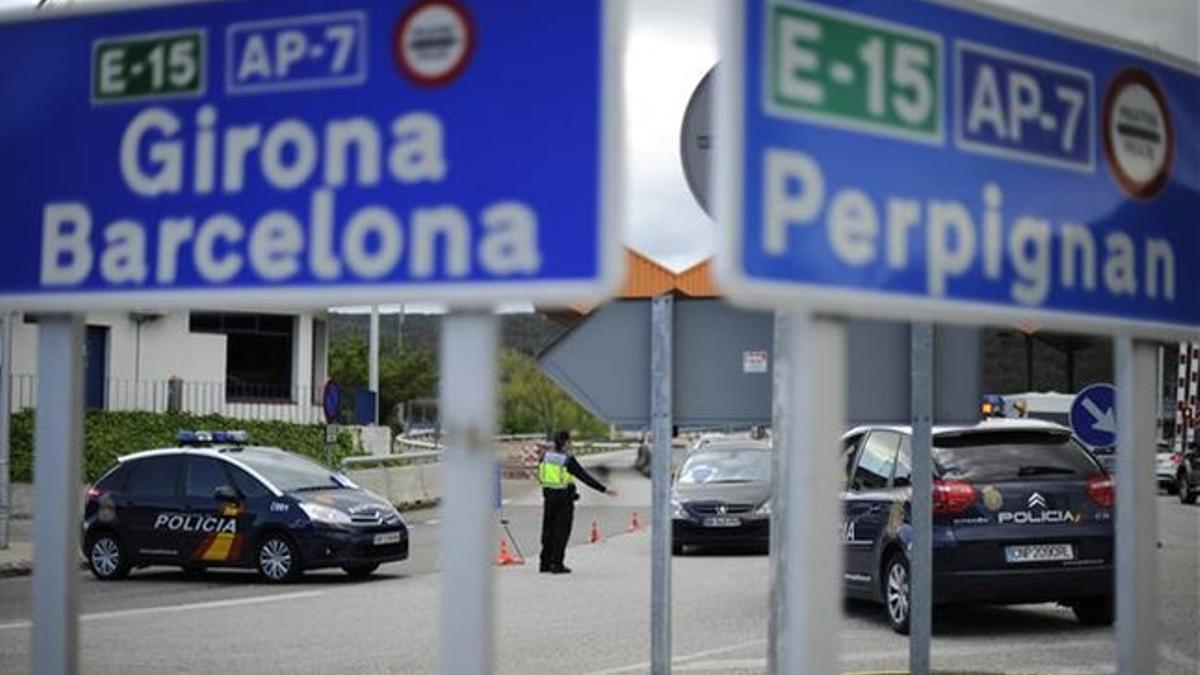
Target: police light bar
992 406
207 437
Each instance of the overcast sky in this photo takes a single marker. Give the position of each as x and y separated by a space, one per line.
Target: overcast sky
672 46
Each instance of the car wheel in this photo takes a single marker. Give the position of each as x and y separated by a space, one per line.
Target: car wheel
1094 611
107 557
277 559
1186 494
360 571
896 595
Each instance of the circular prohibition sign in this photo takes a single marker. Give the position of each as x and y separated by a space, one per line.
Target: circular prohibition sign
433 42
1139 138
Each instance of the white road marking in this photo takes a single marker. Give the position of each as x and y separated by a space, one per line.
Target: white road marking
722 666
682 658
168 609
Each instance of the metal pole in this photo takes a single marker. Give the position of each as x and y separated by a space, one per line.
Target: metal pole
812 399
468 414
57 464
373 359
920 618
5 416
1136 526
661 408
1160 380
780 429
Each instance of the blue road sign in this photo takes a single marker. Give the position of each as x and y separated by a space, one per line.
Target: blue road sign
1094 416
918 160
284 152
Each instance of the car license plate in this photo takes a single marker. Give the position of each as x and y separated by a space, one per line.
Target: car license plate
1039 553
722 521
387 538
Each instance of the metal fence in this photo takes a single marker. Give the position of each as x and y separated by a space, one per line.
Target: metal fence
239 400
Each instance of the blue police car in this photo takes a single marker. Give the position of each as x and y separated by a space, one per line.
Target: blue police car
216 501
1022 514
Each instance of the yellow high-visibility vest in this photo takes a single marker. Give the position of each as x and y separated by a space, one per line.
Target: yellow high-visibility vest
552 471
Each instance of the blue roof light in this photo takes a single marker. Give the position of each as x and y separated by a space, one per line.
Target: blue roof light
207 437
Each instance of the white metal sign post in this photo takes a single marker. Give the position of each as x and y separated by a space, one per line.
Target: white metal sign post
806 565
58 461
1136 516
468 414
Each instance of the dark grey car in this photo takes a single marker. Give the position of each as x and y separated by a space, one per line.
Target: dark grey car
721 496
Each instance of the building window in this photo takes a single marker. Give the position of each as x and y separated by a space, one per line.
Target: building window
258 353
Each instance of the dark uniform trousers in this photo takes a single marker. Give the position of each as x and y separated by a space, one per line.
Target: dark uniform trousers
558 514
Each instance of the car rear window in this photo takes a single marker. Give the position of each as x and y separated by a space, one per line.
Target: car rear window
1012 456
154 476
114 479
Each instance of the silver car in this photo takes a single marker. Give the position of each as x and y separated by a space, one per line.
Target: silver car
1166 468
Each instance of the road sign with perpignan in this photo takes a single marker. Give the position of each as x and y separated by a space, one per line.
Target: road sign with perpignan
922 160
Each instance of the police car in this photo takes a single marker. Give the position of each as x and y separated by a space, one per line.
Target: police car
1022 513
216 501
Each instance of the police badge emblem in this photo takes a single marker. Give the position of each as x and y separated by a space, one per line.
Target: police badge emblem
992 498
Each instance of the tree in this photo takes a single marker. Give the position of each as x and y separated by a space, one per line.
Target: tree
532 403
529 401
412 374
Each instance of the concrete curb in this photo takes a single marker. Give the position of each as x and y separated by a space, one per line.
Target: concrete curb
24 568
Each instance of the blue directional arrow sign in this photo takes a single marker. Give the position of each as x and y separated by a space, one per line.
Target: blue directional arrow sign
921 160
295 152
1093 416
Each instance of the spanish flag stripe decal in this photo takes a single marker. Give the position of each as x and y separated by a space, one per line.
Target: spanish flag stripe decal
220 547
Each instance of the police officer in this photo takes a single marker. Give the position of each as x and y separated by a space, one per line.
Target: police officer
557 472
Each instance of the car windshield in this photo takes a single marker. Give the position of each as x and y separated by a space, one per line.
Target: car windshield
1012 456
741 465
290 473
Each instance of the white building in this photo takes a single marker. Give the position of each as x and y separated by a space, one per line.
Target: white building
241 364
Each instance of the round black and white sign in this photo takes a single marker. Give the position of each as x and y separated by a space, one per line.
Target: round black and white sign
433 41
696 140
1138 136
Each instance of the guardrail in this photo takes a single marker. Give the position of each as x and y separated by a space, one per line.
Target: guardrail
406 444
405 459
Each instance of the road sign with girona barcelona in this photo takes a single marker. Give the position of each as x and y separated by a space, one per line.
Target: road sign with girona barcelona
280 152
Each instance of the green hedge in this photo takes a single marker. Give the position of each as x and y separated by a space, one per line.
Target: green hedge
109 434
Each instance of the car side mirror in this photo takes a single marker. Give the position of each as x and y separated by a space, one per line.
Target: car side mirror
226 494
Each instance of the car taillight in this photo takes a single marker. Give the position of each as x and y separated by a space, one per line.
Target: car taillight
1100 490
95 492
952 496
1176 459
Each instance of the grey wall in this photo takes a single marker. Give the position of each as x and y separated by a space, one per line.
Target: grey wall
604 363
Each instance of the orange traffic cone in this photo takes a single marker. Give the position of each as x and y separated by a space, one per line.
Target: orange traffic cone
506 558
595 536
634 523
